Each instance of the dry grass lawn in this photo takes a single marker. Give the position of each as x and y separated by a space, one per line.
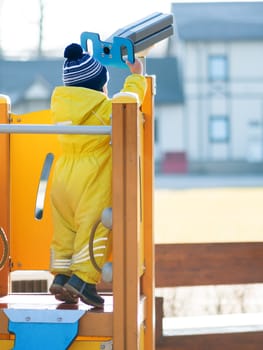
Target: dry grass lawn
208 215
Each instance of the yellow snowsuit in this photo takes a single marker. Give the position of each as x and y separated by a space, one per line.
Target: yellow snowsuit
81 186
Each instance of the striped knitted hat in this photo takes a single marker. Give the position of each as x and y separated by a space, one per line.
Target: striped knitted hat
81 69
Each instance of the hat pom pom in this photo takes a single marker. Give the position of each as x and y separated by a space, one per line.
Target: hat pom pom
73 52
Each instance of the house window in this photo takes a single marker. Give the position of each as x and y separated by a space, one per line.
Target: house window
219 129
217 68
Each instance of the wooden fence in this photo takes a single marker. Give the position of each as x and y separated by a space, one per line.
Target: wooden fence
207 264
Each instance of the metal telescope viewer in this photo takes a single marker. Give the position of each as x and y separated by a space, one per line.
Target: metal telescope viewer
129 40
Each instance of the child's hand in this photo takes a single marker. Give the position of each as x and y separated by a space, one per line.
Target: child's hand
136 67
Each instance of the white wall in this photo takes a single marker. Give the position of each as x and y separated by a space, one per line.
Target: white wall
171 129
240 98
246 60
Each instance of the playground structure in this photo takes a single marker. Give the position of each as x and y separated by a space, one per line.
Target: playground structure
130 322
26 142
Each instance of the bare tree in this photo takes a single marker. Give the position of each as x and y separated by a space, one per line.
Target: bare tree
40 28
39 24
1 28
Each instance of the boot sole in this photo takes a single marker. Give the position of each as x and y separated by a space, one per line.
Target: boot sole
63 294
83 298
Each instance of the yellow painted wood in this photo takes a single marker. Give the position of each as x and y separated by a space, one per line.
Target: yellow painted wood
6 344
76 345
90 344
81 345
148 278
28 152
4 188
142 338
141 193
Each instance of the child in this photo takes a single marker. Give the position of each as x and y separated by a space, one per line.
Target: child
81 186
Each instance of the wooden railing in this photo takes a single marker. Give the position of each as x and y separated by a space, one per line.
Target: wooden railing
207 264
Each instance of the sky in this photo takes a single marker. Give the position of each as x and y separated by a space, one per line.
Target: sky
65 20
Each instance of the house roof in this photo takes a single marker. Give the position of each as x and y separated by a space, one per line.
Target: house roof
169 83
219 20
169 88
17 76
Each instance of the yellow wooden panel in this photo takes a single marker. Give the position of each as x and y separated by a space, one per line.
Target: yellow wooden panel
30 238
76 345
4 189
148 282
6 344
141 195
142 338
90 344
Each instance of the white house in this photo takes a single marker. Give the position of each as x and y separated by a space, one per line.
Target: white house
219 127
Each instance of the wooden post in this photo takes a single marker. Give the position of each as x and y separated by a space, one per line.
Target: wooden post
148 278
4 188
133 243
126 225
